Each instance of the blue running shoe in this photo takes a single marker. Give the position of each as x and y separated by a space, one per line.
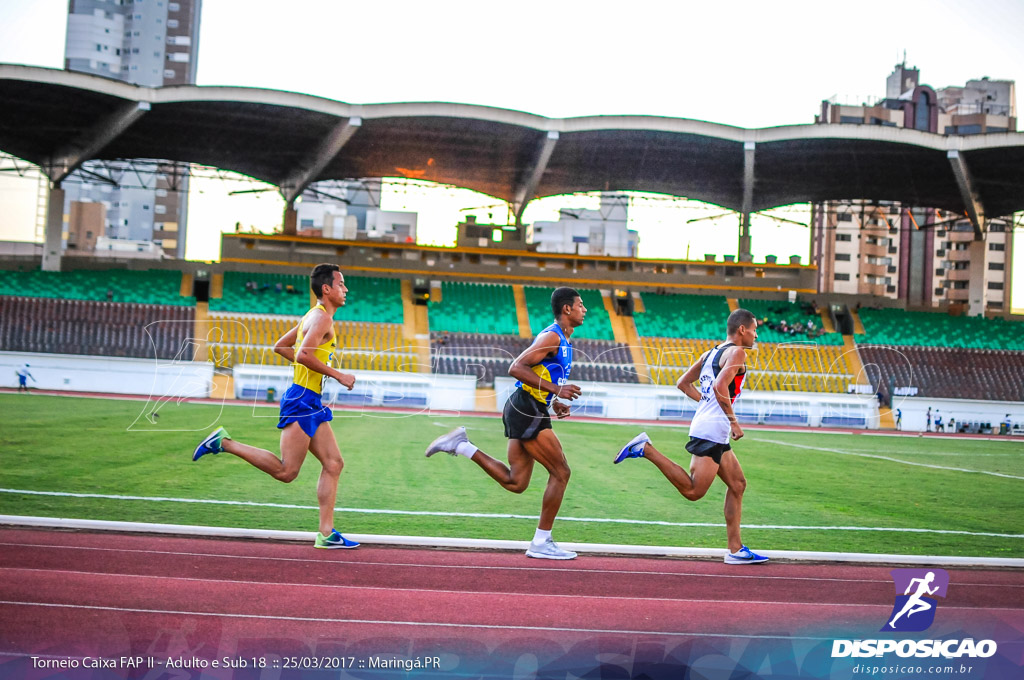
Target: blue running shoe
334 541
212 443
744 556
634 449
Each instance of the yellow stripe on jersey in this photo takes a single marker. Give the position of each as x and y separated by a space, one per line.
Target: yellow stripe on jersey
535 392
312 380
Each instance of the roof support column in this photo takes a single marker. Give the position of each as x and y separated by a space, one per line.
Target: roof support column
53 242
976 283
92 141
305 174
524 193
291 220
975 209
745 254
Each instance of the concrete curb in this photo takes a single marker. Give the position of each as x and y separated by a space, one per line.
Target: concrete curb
487 544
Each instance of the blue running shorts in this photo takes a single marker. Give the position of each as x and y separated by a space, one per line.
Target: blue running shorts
302 406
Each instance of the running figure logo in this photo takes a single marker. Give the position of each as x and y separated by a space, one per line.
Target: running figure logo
914 609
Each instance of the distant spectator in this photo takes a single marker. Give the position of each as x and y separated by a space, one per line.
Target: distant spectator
899 419
278 288
110 295
952 424
1005 426
23 376
938 422
928 420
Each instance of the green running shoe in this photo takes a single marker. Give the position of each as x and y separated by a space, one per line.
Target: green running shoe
212 443
334 541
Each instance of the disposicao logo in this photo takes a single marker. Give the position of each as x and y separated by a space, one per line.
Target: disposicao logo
916 589
913 611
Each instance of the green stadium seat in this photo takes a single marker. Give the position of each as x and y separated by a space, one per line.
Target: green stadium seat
792 313
474 308
597 325
151 286
370 298
934 329
682 316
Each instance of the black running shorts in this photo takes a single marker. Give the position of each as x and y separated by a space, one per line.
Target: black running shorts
524 417
704 447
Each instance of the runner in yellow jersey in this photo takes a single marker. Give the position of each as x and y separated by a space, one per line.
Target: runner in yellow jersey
305 421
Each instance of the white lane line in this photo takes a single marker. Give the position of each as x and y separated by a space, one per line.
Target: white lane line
477 626
481 515
960 454
417 565
894 460
486 593
458 592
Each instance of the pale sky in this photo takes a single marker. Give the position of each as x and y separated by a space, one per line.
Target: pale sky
743 63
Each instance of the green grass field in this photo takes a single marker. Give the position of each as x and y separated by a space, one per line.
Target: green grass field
797 482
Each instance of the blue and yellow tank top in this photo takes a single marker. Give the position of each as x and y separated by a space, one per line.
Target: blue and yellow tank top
304 377
554 369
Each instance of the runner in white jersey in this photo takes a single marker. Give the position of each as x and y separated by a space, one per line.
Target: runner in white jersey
710 422
720 372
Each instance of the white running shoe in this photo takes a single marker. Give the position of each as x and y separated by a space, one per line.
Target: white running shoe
447 442
549 550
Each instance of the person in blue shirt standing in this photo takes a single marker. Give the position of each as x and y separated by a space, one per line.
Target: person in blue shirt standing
542 371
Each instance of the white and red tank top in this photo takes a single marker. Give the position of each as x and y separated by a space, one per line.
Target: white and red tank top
710 421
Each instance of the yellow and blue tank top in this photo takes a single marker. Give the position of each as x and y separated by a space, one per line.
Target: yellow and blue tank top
554 369
304 377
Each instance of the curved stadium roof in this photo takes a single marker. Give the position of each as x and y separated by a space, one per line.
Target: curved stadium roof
58 119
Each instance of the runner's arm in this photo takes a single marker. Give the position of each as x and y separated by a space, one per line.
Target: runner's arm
686 380
544 345
285 345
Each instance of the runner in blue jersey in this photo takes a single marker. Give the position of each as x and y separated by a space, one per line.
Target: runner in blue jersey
542 372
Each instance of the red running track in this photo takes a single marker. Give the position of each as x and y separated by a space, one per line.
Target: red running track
111 595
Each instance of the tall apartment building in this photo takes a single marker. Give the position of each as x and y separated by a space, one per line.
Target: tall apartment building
885 249
153 43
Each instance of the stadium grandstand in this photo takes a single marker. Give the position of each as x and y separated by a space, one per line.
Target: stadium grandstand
472 329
